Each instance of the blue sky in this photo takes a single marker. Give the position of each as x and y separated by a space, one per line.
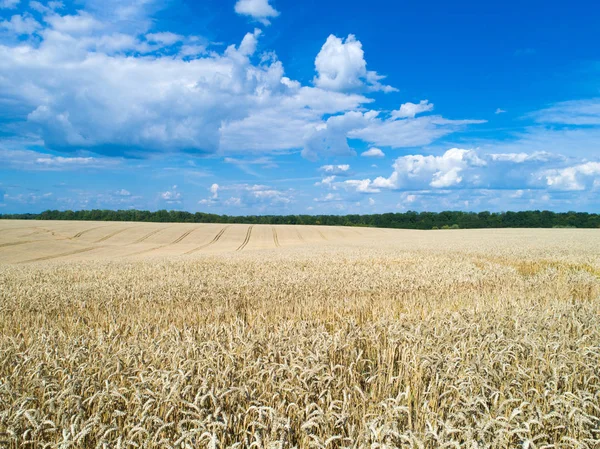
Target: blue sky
281 106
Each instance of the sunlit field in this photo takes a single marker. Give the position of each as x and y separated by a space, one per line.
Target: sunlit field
140 335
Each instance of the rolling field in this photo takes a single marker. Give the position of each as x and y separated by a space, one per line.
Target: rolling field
140 335
27 242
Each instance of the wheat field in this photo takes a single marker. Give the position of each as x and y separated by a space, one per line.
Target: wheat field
139 335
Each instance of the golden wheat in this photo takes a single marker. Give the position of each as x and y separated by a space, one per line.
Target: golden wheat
389 339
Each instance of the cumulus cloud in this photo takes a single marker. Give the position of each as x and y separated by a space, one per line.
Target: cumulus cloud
259 10
171 196
417 171
123 192
373 152
341 66
137 104
331 138
214 190
499 111
410 110
578 177
361 186
162 92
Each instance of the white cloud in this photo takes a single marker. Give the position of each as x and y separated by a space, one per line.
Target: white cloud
21 25
371 202
331 138
123 192
335 169
581 142
153 103
166 38
330 197
74 25
214 190
410 110
417 171
341 66
9 4
578 112
246 164
404 133
102 80
519 158
287 120
34 161
578 177
233 201
259 10
171 196
48 8
499 111
327 181
361 186
28 198
254 195
373 152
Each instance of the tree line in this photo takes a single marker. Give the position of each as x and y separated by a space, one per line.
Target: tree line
405 220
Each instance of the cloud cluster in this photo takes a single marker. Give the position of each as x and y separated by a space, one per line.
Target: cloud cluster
471 169
419 171
578 177
335 169
100 79
171 196
259 196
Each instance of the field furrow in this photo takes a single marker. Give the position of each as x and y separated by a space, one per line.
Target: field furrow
111 235
212 242
246 240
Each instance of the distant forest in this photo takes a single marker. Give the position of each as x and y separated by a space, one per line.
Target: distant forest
406 220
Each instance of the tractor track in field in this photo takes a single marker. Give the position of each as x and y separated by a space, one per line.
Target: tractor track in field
322 235
174 242
246 240
299 235
112 234
39 231
275 238
212 242
79 234
182 237
56 256
150 234
4 245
